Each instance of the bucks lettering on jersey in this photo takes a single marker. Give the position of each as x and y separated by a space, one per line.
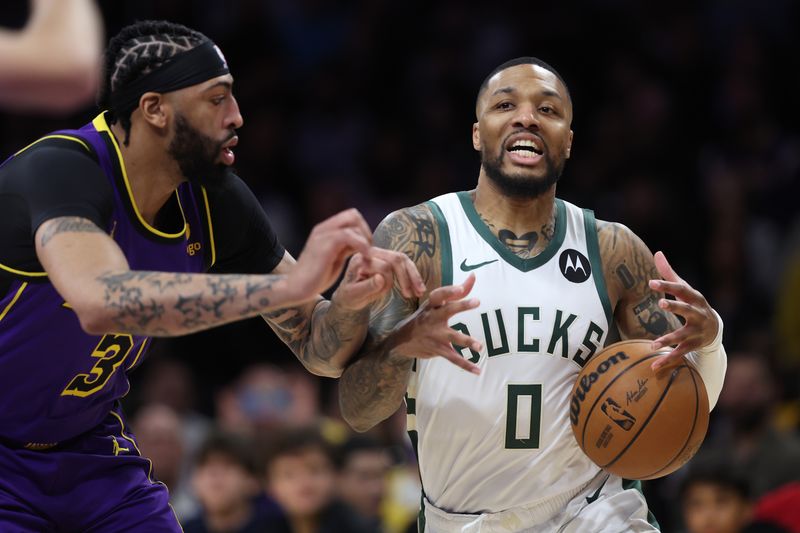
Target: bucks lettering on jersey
503 439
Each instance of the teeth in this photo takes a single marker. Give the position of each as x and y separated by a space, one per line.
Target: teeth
525 145
526 153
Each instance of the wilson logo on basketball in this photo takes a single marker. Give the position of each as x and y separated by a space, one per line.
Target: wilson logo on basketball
587 382
617 414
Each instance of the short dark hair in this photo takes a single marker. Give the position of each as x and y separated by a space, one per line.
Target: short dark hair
137 50
525 60
715 473
356 444
231 446
295 441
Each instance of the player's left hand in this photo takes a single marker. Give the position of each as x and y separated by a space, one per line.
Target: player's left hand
369 276
701 325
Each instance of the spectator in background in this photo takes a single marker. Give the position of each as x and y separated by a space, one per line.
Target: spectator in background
226 484
714 499
53 63
364 465
159 433
301 477
170 382
266 398
746 436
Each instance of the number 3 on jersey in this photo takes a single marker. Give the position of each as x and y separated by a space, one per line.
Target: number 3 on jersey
522 432
111 351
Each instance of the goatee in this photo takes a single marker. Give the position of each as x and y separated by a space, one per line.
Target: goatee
521 186
196 155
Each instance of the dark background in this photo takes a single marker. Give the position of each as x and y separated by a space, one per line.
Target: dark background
686 130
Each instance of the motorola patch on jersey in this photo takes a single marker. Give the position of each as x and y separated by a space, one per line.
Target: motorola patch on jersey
574 265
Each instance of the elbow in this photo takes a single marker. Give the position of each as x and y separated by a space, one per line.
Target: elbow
324 370
359 425
94 320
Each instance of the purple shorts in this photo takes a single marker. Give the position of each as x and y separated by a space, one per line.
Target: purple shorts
97 482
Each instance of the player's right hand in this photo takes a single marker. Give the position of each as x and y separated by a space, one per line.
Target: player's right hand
328 246
426 334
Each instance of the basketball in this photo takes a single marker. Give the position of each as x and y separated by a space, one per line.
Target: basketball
633 422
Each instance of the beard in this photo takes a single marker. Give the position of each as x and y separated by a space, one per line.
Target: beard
196 155
520 185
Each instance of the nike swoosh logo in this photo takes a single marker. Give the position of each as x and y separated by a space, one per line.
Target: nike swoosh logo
466 268
591 499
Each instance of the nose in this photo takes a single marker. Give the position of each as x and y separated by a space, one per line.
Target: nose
234 120
526 117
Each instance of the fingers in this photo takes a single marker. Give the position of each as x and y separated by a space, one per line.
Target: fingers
671 358
680 308
451 292
664 268
460 339
678 289
359 294
454 357
399 267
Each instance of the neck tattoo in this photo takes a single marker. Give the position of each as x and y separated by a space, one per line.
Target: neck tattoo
524 245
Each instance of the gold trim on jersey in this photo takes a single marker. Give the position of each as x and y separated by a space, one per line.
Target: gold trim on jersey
101 125
210 228
22 272
13 300
56 136
135 359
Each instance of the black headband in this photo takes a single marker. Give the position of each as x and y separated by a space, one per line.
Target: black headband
185 69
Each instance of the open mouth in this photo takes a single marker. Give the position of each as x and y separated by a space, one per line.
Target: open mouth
228 157
525 148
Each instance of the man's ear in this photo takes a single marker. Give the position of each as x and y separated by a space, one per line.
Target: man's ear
476 137
154 109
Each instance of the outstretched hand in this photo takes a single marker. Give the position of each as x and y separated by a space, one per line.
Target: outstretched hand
426 334
328 246
368 277
701 325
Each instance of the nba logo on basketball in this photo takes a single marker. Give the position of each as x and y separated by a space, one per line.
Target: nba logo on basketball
618 415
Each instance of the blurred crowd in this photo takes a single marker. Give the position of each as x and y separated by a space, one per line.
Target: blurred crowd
686 130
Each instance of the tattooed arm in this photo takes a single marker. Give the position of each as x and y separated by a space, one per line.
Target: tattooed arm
91 272
372 388
401 329
628 267
325 334
634 279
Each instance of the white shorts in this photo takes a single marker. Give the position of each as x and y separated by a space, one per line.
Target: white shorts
604 505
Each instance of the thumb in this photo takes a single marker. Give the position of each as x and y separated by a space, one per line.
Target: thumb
664 268
357 294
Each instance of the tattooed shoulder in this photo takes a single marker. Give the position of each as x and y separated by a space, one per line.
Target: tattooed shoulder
414 232
66 225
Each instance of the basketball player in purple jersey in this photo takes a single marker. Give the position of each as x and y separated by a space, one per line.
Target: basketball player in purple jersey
108 232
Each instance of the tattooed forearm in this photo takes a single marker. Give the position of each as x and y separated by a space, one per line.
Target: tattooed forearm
67 225
630 268
159 303
321 335
372 387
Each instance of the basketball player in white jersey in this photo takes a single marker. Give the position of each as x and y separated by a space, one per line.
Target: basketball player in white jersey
548 287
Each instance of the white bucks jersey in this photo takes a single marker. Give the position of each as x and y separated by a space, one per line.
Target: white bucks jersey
503 439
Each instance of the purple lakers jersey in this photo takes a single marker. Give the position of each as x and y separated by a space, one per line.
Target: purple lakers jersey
56 381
